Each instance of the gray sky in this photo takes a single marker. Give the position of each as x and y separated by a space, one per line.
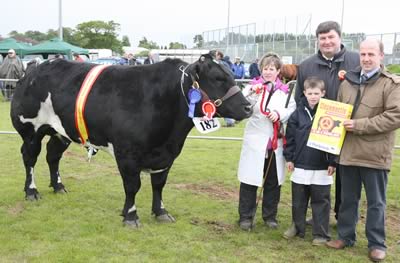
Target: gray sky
165 21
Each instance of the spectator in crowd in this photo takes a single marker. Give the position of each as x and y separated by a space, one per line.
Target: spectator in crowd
332 58
219 56
123 60
132 60
77 57
227 61
262 152
238 69
366 155
59 56
149 59
254 71
11 68
311 169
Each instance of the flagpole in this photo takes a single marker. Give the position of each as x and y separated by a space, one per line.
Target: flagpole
60 28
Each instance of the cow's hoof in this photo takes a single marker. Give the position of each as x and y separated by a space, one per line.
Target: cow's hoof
132 223
32 195
61 191
165 218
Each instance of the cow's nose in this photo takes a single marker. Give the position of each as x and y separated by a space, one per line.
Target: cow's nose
248 109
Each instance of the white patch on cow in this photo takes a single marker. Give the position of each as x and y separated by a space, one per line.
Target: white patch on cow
109 148
162 205
59 180
46 115
32 185
132 209
151 171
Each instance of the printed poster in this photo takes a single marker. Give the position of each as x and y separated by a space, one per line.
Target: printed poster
327 131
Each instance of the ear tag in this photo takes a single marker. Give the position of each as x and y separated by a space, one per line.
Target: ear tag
208 109
194 97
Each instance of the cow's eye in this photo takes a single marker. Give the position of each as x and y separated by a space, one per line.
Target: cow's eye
221 79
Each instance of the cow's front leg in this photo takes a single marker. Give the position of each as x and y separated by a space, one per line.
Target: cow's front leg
130 174
55 150
158 181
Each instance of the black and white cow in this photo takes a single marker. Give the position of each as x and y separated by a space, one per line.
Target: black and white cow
139 114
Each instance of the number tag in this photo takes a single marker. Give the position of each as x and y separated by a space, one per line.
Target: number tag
206 126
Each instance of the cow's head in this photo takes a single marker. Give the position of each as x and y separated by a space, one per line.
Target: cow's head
217 82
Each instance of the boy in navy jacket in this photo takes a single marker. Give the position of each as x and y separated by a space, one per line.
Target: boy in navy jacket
312 169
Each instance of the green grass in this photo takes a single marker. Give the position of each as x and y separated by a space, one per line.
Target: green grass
394 68
84 225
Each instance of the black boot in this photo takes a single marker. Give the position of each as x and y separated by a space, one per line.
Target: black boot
271 192
247 205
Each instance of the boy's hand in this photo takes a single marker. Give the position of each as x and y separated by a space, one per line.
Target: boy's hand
290 166
331 170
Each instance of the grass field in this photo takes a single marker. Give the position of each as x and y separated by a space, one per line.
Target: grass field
202 192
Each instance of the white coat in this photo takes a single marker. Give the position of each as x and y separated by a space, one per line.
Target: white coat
258 131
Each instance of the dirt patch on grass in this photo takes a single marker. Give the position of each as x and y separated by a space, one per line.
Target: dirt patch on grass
392 219
219 227
94 164
80 157
215 191
215 226
17 209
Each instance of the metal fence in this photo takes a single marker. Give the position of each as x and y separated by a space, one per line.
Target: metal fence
238 41
244 42
7 90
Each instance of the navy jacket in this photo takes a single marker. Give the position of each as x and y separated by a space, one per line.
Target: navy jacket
254 71
297 132
318 66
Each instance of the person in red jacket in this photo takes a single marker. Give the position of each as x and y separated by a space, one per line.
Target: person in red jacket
78 58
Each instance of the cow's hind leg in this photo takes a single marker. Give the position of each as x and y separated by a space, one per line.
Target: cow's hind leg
130 174
55 148
158 181
30 150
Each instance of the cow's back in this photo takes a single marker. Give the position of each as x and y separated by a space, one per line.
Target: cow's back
123 102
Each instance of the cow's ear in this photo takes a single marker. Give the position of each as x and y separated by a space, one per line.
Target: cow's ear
197 69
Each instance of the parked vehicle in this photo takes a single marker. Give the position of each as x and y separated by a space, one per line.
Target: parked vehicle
107 61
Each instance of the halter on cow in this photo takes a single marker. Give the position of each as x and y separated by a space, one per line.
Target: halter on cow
139 114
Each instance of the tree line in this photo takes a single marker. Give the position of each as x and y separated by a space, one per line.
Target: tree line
92 34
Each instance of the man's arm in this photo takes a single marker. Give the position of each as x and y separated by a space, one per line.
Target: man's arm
386 121
299 85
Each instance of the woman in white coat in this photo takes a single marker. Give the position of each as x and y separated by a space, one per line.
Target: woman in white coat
262 148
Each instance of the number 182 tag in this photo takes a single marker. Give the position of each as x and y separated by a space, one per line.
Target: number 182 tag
206 126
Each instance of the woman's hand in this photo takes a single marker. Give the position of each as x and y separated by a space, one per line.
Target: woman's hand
273 116
257 88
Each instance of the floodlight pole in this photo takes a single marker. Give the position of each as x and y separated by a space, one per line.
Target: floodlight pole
341 22
227 27
60 28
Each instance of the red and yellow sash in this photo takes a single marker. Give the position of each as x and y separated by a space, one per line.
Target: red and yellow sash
80 103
